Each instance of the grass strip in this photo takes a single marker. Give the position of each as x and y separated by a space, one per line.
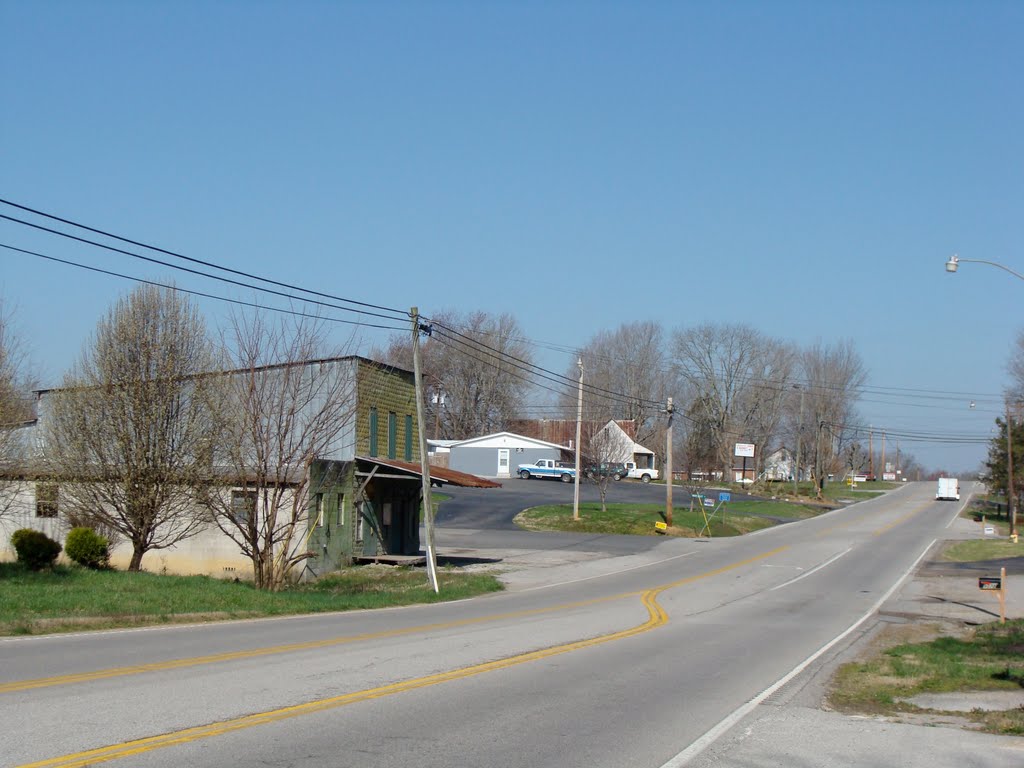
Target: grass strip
638 519
72 598
986 658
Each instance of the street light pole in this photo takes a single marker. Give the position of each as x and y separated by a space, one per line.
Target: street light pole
955 261
1011 507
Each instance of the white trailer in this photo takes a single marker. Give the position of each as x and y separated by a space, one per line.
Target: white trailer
948 489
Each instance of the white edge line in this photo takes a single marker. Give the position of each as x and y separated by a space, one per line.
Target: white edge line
813 570
956 515
718 730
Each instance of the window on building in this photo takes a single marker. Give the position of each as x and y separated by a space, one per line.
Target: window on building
408 437
341 509
46 499
318 509
392 435
360 522
373 431
243 506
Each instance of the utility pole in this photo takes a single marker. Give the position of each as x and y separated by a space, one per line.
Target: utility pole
871 451
579 430
1011 506
428 507
799 434
669 409
883 452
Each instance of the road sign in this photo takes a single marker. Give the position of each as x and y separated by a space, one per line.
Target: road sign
990 582
660 526
724 496
745 449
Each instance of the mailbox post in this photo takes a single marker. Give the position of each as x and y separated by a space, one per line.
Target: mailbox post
995 584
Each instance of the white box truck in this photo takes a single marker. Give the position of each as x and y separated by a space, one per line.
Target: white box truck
948 489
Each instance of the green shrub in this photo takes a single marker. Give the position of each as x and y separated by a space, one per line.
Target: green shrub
88 548
35 549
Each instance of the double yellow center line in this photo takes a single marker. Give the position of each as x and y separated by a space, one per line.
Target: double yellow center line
656 617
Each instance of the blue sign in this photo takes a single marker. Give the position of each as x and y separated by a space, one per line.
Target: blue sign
725 497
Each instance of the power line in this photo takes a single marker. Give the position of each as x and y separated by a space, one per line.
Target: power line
200 273
197 293
190 259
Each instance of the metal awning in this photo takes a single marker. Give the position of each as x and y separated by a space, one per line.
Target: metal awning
437 474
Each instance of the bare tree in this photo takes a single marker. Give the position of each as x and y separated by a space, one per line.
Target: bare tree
626 378
834 376
605 452
478 363
15 406
737 379
291 399
131 432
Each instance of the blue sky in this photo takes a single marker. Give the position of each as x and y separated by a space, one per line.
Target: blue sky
803 167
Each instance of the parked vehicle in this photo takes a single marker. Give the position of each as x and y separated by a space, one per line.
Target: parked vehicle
948 489
547 468
643 474
613 469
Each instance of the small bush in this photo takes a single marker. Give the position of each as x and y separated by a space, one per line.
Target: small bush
35 549
88 548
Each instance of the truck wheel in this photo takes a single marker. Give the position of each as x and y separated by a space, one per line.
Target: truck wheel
524 474
645 479
566 477
616 477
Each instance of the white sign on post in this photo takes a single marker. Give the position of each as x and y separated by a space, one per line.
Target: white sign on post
745 449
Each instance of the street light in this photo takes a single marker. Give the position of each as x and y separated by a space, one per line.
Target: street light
954 262
951 266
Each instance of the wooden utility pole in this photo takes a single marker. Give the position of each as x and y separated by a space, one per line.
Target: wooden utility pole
428 507
579 431
871 451
883 453
799 434
669 409
1011 505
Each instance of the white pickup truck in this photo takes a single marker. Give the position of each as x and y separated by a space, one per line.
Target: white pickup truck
546 468
643 474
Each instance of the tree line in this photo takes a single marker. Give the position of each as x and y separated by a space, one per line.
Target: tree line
730 383
158 416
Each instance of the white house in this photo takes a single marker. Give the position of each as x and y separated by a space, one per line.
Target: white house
614 444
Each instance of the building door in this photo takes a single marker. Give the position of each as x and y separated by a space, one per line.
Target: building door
503 462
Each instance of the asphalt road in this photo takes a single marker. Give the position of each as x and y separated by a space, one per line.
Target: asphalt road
645 661
495 508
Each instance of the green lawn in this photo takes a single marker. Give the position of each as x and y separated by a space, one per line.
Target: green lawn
987 658
638 519
69 598
982 549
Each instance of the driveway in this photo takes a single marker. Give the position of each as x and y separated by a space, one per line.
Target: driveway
475 526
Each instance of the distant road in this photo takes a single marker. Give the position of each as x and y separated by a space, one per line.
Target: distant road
636 667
